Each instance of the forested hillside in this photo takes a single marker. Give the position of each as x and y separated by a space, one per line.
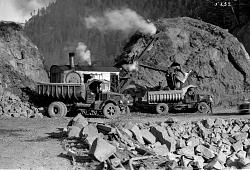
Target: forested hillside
61 26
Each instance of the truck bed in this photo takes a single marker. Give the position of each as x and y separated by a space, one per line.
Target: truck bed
165 96
62 91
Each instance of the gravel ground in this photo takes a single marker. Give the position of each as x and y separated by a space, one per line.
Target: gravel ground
36 143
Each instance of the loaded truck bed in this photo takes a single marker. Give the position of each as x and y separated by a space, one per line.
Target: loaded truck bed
63 91
165 96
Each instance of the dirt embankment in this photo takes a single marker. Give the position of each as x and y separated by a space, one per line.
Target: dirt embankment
243 35
20 67
219 61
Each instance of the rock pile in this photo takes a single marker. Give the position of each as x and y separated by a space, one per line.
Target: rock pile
12 106
206 144
21 66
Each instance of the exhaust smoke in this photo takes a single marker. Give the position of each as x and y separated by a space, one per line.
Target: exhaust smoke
125 20
82 54
131 67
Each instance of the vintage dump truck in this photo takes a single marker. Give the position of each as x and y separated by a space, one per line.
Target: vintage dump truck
85 89
87 98
186 98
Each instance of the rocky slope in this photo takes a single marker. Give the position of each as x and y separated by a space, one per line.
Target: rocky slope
221 63
20 67
243 35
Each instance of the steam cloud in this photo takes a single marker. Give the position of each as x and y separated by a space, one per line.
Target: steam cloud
125 20
83 55
131 67
19 10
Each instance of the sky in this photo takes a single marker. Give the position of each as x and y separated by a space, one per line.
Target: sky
19 10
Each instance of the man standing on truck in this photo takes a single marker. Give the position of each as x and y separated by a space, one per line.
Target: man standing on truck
177 76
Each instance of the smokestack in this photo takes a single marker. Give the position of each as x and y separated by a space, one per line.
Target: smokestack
72 60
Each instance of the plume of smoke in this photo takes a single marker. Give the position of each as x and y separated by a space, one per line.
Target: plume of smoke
83 55
125 20
19 10
131 67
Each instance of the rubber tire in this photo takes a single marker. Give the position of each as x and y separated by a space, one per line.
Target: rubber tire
65 111
106 111
60 108
203 107
162 108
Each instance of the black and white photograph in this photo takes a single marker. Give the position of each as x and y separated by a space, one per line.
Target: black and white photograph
124 84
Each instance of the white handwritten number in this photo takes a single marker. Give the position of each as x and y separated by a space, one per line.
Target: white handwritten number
222 4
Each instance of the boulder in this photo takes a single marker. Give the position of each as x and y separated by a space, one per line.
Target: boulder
205 152
222 158
199 161
240 136
74 132
241 154
101 149
90 133
238 146
245 128
209 123
148 136
105 129
78 121
161 150
215 164
186 151
162 136
137 133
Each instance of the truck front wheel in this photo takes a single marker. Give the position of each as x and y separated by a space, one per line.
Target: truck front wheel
203 107
111 111
162 108
56 109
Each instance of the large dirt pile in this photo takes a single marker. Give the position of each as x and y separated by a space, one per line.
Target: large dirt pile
243 35
20 67
219 61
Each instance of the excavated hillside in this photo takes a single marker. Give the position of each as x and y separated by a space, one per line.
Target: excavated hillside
243 34
219 61
20 67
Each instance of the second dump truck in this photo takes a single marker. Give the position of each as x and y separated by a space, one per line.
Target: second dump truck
186 98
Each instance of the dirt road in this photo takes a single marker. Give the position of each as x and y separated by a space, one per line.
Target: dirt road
32 143
36 143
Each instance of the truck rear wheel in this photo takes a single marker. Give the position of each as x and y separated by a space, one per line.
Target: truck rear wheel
203 107
111 111
162 108
56 109
65 111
